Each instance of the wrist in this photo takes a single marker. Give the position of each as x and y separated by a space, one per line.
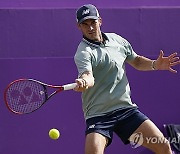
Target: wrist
153 65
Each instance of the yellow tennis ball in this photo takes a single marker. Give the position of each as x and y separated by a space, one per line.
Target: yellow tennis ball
54 134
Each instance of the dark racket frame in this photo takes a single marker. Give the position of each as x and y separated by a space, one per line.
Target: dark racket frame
24 96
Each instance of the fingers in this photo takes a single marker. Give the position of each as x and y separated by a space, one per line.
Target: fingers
81 82
169 61
171 56
161 54
81 85
174 59
172 70
175 63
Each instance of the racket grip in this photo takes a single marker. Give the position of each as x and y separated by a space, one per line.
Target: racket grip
70 86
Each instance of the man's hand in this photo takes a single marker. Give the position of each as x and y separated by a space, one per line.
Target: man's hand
81 85
166 63
85 81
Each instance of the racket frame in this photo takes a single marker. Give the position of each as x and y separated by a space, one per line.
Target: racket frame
47 97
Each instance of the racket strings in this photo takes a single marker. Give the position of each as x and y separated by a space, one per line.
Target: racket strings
25 96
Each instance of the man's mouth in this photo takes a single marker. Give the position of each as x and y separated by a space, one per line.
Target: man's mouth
91 32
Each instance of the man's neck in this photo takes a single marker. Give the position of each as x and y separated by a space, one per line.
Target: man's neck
102 39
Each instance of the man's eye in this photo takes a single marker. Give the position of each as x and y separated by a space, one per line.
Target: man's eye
85 25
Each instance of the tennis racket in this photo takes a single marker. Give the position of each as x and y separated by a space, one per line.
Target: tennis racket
27 95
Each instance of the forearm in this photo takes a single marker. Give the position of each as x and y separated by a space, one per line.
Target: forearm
143 63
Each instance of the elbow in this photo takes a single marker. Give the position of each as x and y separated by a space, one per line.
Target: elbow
137 64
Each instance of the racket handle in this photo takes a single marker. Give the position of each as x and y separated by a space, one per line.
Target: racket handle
70 86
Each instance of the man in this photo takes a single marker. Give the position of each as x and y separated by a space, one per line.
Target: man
107 106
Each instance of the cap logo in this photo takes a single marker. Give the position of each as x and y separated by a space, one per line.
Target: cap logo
85 11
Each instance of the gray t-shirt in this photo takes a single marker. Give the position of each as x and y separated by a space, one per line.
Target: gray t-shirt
111 90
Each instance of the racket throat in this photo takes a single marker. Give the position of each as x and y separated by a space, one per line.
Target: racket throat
60 89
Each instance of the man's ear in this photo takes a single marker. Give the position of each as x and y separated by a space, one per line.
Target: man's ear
100 21
78 26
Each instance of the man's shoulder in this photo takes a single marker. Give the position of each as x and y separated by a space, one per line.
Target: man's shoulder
112 35
116 37
83 46
83 49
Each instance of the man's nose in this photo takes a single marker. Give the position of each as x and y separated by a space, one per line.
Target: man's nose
91 28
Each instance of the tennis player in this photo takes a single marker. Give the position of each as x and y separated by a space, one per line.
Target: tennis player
107 105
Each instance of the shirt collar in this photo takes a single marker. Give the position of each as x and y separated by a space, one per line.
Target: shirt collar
95 43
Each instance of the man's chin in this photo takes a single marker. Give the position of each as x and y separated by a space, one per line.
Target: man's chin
93 38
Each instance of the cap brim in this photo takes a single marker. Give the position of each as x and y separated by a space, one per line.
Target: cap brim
88 17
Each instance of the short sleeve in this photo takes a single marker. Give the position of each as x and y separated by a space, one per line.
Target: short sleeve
129 51
83 62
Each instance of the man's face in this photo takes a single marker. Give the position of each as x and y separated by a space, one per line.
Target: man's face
91 29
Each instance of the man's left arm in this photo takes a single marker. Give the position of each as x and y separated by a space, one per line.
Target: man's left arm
161 63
